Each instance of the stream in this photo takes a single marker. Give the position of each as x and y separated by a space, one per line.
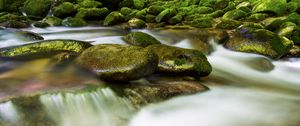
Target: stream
245 90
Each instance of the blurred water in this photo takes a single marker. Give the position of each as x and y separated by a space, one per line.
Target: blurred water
245 90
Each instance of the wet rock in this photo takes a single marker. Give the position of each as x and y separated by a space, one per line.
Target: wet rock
234 14
136 23
37 7
40 24
11 5
286 29
113 18
42 49
294 17
125 11
176 19
66 9
294 52
257 17
165 15
277 7
15 24
216 4
92 13
259 41
174 60
52 21
114 62
228 24
13 20
90 4
140 39
202 22
73 22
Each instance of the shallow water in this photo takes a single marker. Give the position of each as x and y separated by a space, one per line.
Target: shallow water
245 89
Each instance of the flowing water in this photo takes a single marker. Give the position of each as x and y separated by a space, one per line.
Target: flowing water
245 90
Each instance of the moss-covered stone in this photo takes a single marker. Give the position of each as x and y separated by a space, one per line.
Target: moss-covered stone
92 13
176 19
259 41
13 21
37 7
216 4
44 48
202 22
11 5
15 24
273 24
136 23
138 4
73 22
64 10
277 7
126 3
52 21
293 17
155 10
150 18
286 29
174 60
234 14
40 24
257 17
292 6
294 52
114 62
125 11
228 24
140 39
141 14
201 10
90 4
113 18
165 15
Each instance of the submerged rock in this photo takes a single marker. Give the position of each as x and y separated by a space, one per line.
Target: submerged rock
140 39
174 60
46 48
114 62
259 41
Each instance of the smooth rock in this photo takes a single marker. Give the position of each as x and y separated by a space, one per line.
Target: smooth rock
140 39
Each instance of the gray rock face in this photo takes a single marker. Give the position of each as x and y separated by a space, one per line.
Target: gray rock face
114 62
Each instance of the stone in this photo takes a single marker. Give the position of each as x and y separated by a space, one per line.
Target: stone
179 61
45 48
113 18
259 41
294 52
155 10
140 39
125 11
114 62
202 22
90 4
257 17
234 14
165 15
52 21
66 9
37 7
11 5
73 22
92 13
278 7
216 4
40 24
136 23
138 4
228 24
176 19
286 29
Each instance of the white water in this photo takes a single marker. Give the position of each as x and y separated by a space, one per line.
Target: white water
245 90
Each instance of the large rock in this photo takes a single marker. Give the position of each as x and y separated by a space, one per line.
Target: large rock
278 7
65 9
114 62
11 5
37 7
140 39
113 18
174 60
42 49
259 41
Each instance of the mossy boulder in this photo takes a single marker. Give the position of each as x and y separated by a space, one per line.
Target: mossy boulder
44 49
138 4
114 62
216 4
155 9
125 11
90 4
37 7
176 19
286 29
13 21
201 10
140 39
73 22
228 24
52 21
234 14
259 41
11 5
202 22
179 61
257 17
293 17
278 7
165 15
66 9
136 23
92 13
113 18
40 24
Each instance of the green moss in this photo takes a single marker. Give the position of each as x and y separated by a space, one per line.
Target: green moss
44 48
11 5
90 4
234 15
136 23
155 9
173 60
138 4
292 6
92 13
64 10
113 18
150 18
40 24
286 29
257 17
229 24
132 63
202 22
52 21
277 7
216 4
294 17
37 7
176 19
141 14
140 39
125 11
201 10
73 22
165 15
